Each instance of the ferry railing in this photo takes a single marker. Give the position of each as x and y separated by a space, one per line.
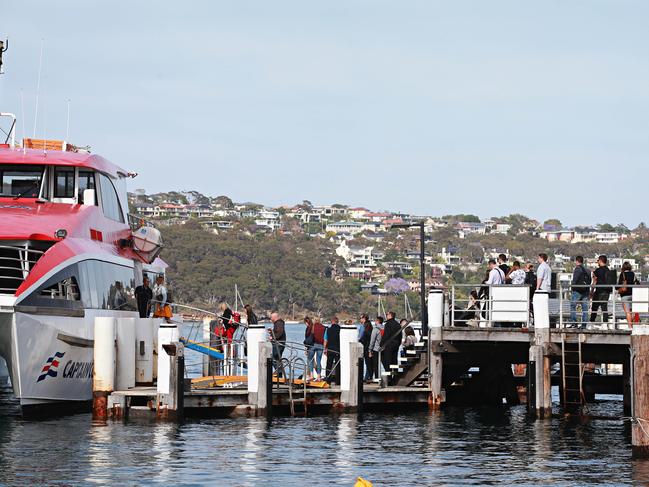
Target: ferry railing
618 311
490 305
136 221
16 264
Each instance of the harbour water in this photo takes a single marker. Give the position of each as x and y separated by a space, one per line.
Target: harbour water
457 446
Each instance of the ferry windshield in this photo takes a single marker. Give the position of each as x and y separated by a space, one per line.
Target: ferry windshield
20 181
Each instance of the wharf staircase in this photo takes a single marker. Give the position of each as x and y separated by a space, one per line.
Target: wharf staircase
572 373
410 367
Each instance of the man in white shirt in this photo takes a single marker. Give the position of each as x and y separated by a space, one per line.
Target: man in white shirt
496 275
543 274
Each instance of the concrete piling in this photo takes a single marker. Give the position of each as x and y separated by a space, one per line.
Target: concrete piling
103 378
541 403
350 354
258 380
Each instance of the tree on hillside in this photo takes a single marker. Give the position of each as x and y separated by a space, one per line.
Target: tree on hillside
553 222
224 202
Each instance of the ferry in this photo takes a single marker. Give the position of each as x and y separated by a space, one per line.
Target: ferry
69 252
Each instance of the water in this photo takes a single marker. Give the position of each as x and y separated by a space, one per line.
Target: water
457 446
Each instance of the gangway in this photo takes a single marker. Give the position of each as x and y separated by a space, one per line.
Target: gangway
202 348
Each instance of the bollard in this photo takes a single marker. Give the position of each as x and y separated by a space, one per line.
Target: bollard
256 335
435 336
348 335
640 391
103 377
125 363
542 404
144 351
353 351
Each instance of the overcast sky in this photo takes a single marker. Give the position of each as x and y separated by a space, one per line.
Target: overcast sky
425 106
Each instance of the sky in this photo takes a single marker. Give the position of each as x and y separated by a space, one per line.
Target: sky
426 107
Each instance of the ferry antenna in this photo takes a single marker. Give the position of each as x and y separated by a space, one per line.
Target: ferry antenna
22 109
67 124
38 85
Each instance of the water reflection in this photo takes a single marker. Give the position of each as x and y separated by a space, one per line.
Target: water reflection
454 446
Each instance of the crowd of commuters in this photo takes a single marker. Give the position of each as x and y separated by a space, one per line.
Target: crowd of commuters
589 289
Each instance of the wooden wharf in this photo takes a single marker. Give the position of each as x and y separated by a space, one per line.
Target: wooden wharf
451 365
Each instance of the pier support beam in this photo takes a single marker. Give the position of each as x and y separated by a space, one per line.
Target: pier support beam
541 402
103 378
640 388
435 323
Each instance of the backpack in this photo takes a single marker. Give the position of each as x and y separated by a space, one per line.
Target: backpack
584 280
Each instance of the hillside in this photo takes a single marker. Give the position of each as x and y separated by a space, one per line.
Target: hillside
273 273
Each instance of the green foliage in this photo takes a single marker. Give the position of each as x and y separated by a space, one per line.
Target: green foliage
462 218
272 272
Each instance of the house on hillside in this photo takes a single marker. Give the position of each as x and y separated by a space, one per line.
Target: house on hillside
344 227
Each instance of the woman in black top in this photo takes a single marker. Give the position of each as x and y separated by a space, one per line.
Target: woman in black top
250 315
626 279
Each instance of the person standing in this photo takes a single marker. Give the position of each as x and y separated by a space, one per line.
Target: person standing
390 342
543 274
319 331
516 275
143 296
600 292
627 278
496 274
365 341
162 307
580 286
278 337
374 349
502 264
361 325
250 315
332 351
308 343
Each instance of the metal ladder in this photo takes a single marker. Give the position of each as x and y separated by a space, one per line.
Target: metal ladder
293 401
572 372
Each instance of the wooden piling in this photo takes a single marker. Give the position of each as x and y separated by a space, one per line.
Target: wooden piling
640 388
435 337
539 354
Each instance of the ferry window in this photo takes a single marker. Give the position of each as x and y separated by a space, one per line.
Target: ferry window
110 286
86 181
67 289
24 181
109 200
64 182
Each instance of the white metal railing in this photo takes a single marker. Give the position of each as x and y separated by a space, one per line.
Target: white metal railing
506 305
576 302
490 305
16 261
